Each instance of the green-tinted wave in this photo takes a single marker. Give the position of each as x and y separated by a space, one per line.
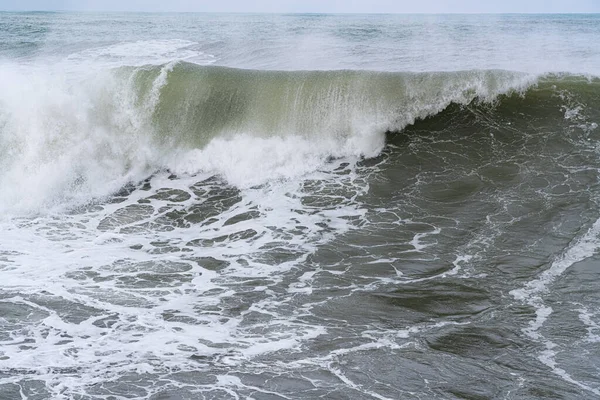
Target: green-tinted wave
190 104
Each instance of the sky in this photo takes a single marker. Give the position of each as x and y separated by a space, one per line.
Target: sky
317 6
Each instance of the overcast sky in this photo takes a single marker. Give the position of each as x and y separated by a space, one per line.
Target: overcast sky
334 6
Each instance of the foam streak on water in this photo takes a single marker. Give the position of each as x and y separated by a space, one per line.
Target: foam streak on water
120 288
533 292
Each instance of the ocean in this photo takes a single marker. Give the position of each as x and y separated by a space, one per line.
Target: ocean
302 206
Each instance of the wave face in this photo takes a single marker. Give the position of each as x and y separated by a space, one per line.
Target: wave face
69 140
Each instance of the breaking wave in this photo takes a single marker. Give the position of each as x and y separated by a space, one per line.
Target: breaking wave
66 140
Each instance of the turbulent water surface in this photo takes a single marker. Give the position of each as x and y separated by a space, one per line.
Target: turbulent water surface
198 206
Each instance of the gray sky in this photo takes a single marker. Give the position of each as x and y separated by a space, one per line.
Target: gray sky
334 6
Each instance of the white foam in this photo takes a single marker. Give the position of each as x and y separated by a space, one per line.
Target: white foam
65 143
532 294
593 328
548 358
246 160
584 247
142 52
54 254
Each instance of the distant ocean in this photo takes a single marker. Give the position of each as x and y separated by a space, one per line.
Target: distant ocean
249 206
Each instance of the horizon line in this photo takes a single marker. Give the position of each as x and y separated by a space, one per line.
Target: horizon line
307 12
